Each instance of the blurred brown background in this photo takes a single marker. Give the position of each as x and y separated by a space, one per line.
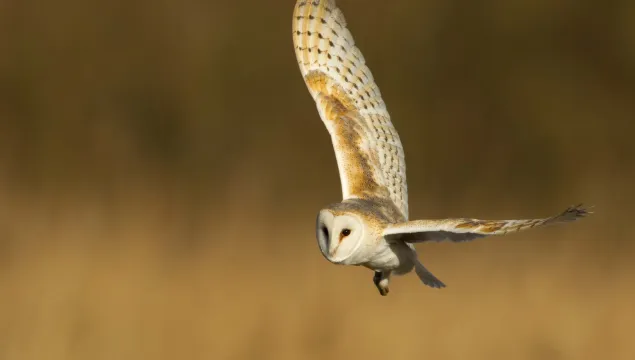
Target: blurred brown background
162 164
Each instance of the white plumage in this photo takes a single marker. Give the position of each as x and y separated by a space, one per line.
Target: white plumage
370 226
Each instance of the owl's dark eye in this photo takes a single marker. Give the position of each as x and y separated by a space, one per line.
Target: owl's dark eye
325 231
346 232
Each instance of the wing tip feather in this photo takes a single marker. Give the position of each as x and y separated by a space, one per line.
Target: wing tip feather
573 213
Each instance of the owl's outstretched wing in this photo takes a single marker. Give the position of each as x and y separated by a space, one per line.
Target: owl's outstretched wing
369 153
469 229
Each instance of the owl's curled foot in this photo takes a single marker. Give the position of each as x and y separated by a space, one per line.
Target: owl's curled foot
381 281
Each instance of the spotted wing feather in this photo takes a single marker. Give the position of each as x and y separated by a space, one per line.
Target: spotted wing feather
369 153
458 230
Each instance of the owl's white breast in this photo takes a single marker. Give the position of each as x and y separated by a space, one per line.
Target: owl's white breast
389 256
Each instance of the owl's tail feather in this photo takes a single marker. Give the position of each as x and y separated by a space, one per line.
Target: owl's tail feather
426 276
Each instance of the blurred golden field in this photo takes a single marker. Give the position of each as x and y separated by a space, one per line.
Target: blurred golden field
162 164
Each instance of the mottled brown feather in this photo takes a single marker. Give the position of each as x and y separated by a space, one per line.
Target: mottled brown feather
368 149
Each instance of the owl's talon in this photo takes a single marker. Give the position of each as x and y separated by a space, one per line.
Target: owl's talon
381 281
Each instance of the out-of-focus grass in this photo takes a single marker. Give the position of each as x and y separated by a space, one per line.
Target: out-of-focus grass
81 280
161 166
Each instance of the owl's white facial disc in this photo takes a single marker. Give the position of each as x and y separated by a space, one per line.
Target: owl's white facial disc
339 237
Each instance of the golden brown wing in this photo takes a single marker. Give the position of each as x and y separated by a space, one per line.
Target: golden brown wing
369 153
469 229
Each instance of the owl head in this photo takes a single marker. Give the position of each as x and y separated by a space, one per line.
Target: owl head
340 234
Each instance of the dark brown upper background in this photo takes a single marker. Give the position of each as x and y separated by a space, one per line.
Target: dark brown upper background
162 164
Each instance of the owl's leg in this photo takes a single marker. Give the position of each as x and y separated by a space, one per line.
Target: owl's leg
381 280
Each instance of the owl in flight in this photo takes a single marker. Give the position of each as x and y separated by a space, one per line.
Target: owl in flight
370 226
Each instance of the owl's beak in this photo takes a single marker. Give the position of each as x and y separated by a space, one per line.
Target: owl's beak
332 252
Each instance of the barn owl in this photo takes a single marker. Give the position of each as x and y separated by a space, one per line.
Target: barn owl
370 226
